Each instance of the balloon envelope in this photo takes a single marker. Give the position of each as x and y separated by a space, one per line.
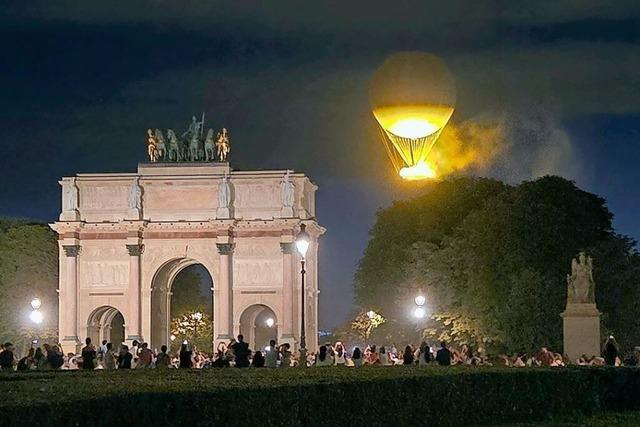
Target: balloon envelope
412 97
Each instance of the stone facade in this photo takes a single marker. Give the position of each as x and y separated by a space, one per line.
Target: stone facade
124 237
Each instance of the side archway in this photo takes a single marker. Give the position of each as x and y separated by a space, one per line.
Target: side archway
259 325
106 323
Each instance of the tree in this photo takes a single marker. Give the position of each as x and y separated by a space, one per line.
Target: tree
494 267
194 327
28 269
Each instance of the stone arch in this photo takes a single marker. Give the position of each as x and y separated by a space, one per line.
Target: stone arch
161 284
106 323
254 327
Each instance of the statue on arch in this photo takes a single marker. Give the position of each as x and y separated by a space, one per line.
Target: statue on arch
223 145
224 192
287 190
174 153
161 147
580 283
209 147
135 196
70 196
152 146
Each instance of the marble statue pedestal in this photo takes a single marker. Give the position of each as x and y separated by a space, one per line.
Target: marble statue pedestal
581 330
223 213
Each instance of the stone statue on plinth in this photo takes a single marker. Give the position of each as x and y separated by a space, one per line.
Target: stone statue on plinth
581 318
287 190
224 198
152 146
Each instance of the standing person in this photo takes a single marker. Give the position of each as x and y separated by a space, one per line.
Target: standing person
242 352
7 357
55 358
356 357
163 360
610 351
383 356
108 359
258 360
271 359
145 357
340 358
88 355
135 349
285 355
185 357
443 356
407 357
124 357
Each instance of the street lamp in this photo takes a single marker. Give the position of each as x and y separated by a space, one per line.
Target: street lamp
302 244
36 315
419 312
420 300
270 322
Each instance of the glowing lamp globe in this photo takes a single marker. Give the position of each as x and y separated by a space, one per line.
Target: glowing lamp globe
270 322
302 241
36 303
420 300
36 316
412 97
419 312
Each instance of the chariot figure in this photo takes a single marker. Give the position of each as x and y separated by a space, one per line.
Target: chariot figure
160 145
223 145
174 152
209 146
194 147
152 149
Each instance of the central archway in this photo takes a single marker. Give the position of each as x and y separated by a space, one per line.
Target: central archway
161 299
106 323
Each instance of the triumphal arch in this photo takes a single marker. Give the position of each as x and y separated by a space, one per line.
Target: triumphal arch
123 238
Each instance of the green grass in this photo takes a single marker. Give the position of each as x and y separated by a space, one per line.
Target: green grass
394 395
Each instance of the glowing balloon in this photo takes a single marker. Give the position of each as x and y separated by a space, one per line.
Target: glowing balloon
412 97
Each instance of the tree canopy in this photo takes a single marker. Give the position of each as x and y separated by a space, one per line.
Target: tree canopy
492 260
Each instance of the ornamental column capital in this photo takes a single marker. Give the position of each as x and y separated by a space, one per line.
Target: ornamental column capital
225 248
135 250
71 251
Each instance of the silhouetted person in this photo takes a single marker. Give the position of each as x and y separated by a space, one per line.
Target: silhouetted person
611 351
258 360
88 355
242 352
124 357
443 356
163 360
407 357
185 357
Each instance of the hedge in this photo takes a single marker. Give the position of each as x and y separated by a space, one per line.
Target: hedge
316 396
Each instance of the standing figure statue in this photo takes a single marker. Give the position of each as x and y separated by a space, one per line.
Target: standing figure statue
135 196
287 188
152 149
194 147
70 196
192 129
223 145
174 152
160 145
580 284
209 147
224 192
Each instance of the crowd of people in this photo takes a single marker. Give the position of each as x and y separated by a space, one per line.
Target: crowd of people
237 353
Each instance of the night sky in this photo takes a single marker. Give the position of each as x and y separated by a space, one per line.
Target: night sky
80 82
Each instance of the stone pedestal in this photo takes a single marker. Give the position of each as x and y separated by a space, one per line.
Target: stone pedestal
223 213
70 215
581 330
286 212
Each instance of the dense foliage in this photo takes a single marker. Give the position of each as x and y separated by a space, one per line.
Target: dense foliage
492 260
379 396
28 269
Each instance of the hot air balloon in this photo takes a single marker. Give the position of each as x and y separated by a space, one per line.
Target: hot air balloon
412 96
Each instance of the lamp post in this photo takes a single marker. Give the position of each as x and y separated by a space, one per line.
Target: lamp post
36 315
419 312
302 244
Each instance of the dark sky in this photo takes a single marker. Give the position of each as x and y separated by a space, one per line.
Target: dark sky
81 81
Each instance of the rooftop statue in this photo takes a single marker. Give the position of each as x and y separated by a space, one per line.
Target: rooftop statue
580 284
191 146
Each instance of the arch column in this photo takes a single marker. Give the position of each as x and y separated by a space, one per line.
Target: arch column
134 306
223 304
288 294
68 299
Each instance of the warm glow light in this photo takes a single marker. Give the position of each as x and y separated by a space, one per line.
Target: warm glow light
419 312
419 300
197 316
36 316
302 241
371 314
270 322
172 337
36 303
413 121
419 171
